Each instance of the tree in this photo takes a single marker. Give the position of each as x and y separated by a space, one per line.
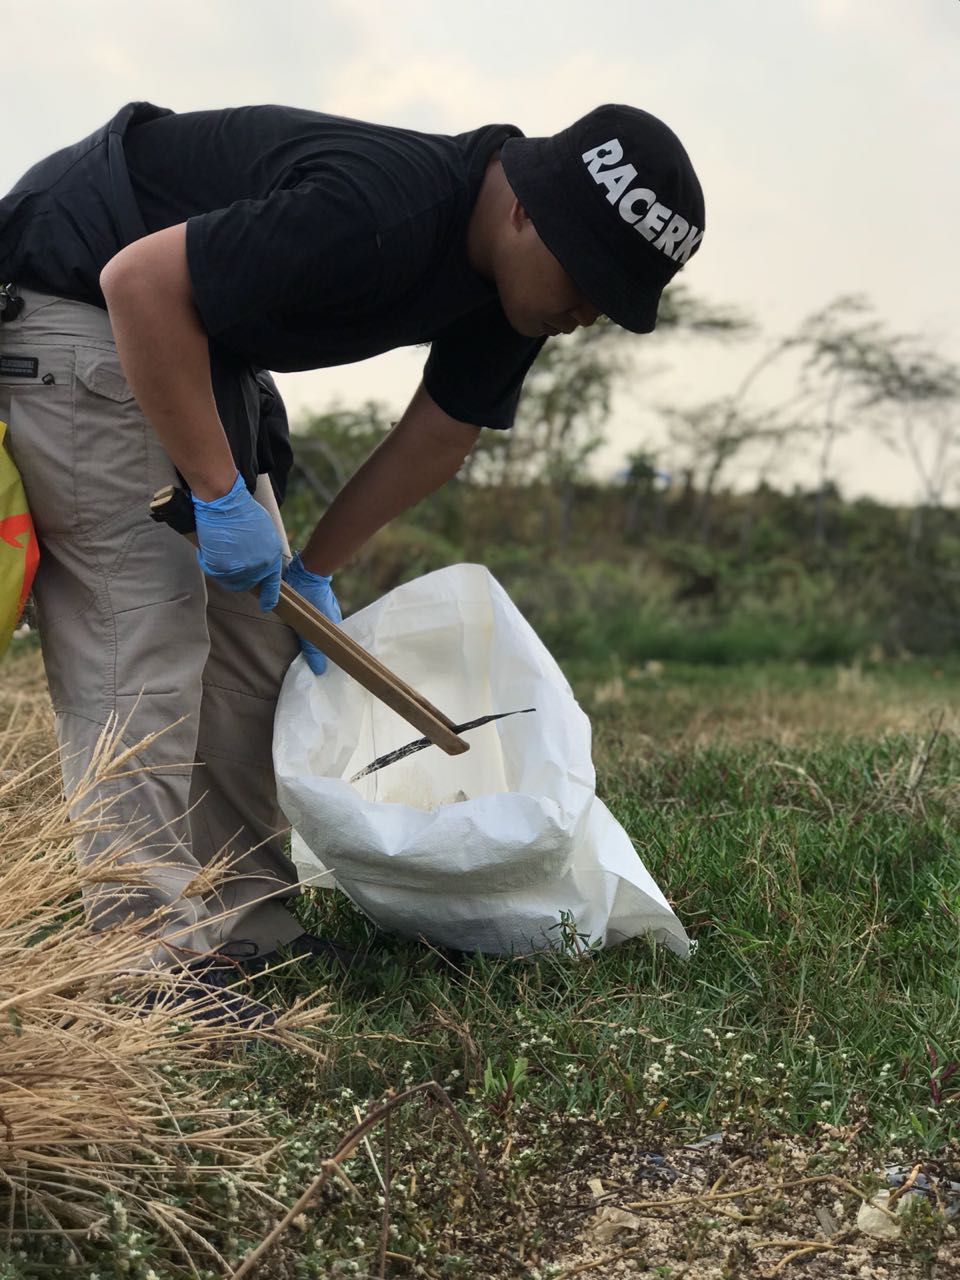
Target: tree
918 392
869 376
644 487
707 438
854 375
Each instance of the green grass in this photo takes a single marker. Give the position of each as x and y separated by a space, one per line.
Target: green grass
804 824
823 893
820 880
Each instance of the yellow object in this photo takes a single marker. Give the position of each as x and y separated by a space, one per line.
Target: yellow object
19 552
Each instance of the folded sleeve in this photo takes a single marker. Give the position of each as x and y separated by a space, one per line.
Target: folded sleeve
477 365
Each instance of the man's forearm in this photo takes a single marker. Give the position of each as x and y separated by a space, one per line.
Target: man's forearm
422 452
164 353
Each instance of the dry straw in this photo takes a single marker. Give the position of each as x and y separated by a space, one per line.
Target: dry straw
105 1108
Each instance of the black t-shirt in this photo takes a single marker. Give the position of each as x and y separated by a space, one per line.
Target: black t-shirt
315 240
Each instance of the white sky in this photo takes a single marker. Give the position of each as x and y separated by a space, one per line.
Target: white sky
824 132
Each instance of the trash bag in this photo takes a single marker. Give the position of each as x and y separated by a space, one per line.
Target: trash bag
19 552
504 849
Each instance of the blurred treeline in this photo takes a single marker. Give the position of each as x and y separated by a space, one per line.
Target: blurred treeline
656 565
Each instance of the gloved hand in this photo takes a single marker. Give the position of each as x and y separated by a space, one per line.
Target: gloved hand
239 544
315 588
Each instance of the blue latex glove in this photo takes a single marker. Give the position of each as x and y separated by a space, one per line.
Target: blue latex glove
239 544
315 588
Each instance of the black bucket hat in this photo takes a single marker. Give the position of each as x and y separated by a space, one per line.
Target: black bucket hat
615 199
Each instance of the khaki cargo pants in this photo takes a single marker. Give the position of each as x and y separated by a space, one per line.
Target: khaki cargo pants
131 628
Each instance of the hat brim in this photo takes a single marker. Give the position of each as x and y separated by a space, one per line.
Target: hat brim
533 172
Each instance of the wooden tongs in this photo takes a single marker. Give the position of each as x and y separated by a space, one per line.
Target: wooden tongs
174 507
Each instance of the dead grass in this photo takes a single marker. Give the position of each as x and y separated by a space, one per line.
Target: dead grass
103 1106
786 708
26 725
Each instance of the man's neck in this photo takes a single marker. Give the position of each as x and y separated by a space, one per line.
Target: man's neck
493 200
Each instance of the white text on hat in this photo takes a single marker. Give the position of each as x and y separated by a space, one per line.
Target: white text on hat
676 237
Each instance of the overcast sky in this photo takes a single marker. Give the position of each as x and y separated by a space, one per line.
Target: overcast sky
825 134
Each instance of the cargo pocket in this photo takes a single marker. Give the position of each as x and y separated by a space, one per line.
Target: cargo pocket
38 412
113 445
98 368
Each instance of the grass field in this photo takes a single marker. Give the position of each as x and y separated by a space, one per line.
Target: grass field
627 1113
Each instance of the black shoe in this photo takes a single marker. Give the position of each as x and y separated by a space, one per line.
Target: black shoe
204 995
308 946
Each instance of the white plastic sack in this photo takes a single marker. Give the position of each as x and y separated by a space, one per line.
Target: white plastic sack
482 851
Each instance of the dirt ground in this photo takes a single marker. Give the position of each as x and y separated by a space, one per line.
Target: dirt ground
738 1208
